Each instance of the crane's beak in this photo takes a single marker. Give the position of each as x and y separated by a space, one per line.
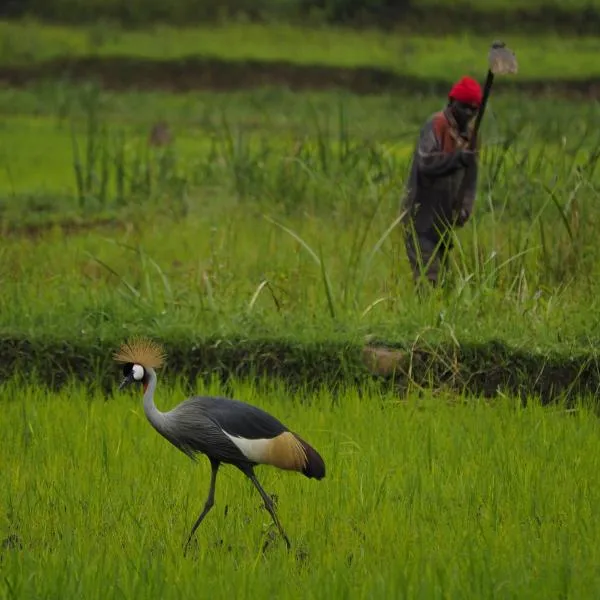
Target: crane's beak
128 380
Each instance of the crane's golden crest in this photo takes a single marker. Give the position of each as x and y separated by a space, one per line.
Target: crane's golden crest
141 351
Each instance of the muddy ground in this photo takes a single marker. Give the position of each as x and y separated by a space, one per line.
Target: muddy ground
197 73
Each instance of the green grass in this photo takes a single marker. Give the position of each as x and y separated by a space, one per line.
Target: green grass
40 122
206 273
39 162
436 500
388 117
550 57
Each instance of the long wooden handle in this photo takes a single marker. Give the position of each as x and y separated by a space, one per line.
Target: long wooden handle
487 88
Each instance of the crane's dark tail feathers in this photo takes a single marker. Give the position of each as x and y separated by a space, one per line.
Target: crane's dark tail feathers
315 465
289 451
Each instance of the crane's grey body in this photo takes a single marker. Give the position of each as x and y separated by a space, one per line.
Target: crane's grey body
200 425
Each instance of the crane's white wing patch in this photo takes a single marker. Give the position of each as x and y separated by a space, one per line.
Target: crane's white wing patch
253 450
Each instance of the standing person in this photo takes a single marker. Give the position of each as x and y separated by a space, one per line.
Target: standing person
440 161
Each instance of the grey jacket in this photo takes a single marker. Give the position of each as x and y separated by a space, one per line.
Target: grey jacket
431 197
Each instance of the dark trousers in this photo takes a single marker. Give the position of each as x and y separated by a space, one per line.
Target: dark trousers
428 255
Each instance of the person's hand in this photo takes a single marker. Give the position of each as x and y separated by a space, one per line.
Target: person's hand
462 218
467 158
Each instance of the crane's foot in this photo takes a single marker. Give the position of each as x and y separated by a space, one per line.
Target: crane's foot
186 546
271 538
287 542
269 505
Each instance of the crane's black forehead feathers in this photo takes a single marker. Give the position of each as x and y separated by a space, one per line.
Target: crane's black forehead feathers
127 367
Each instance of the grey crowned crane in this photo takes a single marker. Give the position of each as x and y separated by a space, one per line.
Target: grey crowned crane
225 430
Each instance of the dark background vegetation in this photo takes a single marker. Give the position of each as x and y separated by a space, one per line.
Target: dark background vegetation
442 16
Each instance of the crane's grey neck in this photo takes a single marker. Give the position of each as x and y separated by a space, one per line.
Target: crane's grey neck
156 418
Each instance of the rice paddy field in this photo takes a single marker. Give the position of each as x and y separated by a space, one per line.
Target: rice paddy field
253 230
466 500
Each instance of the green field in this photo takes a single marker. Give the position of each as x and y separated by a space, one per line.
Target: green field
453 500
262 246
551 56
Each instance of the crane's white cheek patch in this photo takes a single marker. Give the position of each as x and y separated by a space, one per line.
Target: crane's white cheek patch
138 372
254 450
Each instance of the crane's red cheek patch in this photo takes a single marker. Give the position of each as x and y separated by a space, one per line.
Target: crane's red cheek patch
145 387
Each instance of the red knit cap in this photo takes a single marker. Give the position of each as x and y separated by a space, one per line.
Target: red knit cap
466 90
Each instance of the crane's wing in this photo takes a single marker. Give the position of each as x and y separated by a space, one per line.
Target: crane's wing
240 419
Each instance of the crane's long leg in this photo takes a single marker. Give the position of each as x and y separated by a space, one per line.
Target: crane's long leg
214 465
268 504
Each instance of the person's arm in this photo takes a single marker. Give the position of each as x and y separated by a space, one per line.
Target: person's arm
431 160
